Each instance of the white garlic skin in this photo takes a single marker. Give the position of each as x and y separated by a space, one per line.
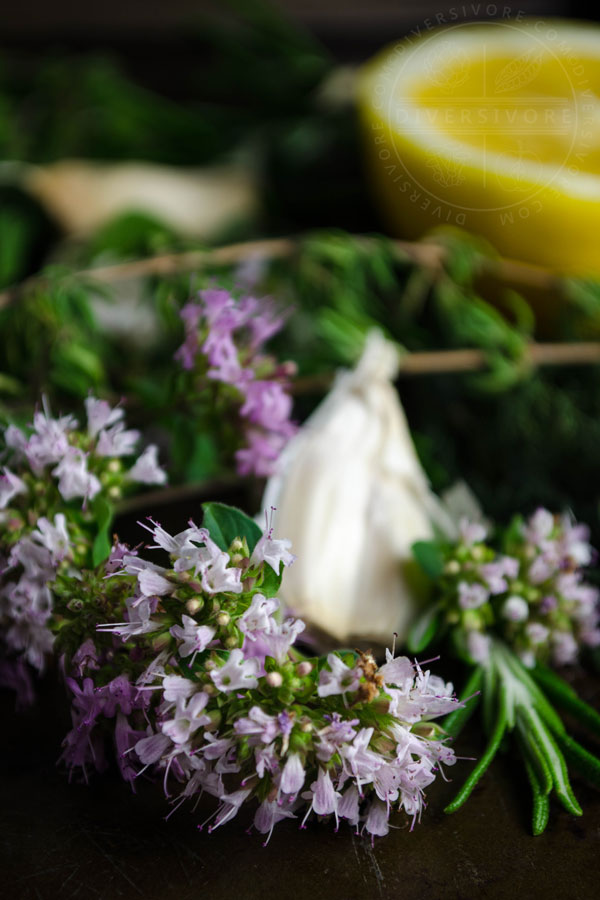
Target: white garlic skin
352 497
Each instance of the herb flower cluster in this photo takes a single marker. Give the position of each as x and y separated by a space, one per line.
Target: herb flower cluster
533 594
57 482
193 669
223 347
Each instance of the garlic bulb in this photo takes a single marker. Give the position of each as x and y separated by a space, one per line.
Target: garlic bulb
352 497
83 195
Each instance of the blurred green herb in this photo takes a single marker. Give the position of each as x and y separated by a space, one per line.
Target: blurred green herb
506 430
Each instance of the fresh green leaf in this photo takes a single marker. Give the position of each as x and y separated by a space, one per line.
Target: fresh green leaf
456 721
489 691
226 523
554 758
429 557
541 804
584 761
533 754
271 581
424 629
488 755
103 513
564 695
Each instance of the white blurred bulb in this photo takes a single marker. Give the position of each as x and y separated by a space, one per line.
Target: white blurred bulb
83 196
351 496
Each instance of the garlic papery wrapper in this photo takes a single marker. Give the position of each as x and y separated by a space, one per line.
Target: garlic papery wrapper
350 494
83 196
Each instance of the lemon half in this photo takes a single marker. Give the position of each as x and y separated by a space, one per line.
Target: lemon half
494 127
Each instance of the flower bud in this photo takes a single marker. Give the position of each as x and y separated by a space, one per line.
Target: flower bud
231 642
194 604
350 494
471 619
215 714
424 729
223 619
303 669
161 642
515 609
274 679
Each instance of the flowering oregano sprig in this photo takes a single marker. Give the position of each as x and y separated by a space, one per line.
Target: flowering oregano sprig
532 592
57 485
194 670
224 353
509 613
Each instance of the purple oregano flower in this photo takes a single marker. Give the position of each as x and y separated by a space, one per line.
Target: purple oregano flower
194 674
53 470
224 340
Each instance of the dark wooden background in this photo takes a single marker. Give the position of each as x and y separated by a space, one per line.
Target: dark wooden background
100 842
154 39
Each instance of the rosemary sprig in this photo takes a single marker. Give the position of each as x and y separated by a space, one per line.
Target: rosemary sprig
484 762
455 722
545 747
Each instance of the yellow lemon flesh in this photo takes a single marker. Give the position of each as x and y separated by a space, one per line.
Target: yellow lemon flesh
495 128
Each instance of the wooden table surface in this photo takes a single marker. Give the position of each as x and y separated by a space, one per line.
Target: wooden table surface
61 840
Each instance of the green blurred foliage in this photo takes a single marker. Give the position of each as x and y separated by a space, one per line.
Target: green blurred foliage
520 437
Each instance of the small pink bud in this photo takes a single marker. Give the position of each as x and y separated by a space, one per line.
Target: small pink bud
193 605
304 668
274 679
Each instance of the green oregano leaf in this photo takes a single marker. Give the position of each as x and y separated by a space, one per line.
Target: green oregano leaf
429 556
271 581
103 513
226 523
